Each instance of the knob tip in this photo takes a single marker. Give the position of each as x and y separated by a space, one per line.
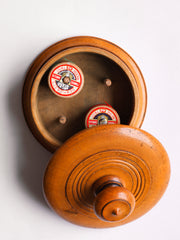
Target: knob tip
114 203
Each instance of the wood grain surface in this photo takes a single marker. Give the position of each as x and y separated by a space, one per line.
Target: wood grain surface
106 176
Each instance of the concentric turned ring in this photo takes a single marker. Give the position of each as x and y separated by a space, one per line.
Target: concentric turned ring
131 169
132 155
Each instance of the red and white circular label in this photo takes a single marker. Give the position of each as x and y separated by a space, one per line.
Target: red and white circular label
101 115
66 79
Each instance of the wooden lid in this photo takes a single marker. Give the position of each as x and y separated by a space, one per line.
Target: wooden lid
110 75
106 176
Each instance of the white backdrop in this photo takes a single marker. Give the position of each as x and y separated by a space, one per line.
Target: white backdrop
150 32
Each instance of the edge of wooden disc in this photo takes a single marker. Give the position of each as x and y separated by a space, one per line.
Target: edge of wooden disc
134 156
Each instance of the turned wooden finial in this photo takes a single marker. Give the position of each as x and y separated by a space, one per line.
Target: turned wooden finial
112 201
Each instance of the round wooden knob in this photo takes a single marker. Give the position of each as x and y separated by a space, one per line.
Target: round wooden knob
112 202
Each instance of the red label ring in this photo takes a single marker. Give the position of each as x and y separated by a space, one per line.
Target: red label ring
101 115
66 80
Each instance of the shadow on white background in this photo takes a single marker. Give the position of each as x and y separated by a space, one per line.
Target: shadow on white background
31 157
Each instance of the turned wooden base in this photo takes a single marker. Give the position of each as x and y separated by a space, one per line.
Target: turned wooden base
110 76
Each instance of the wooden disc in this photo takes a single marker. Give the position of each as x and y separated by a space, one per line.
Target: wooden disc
99 60
135 158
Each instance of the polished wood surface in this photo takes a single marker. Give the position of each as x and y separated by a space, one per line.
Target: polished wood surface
112 201
106 176
110 75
